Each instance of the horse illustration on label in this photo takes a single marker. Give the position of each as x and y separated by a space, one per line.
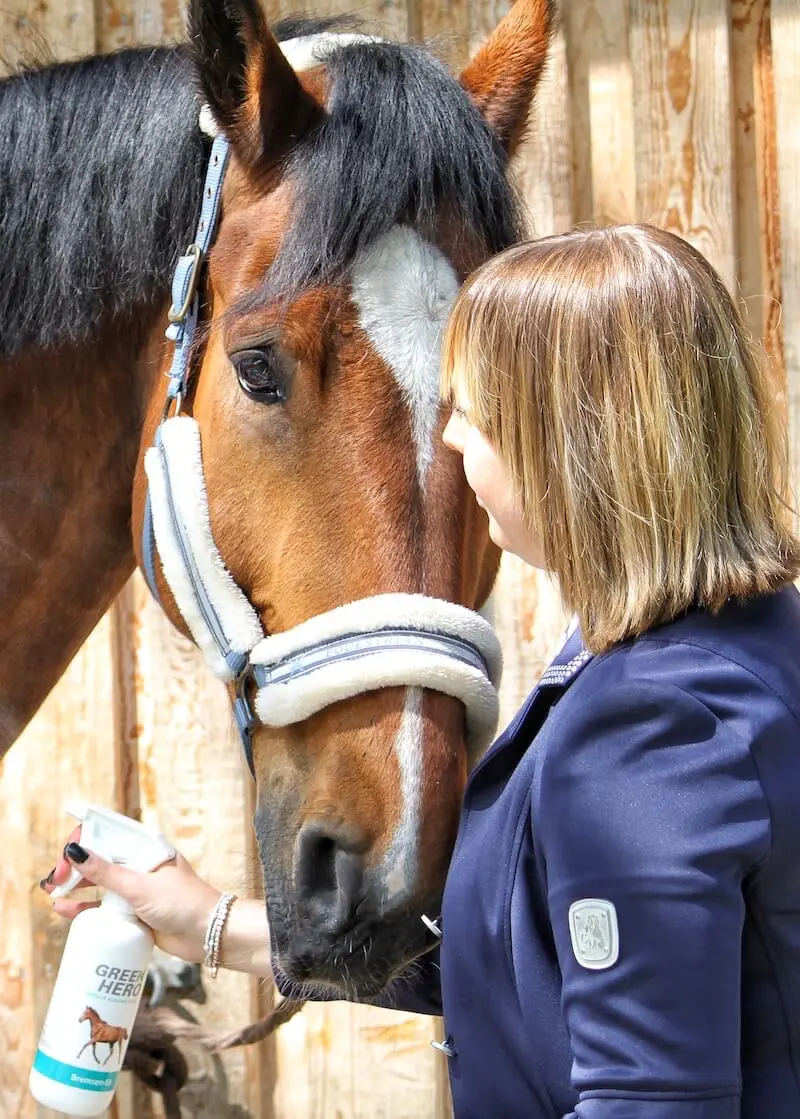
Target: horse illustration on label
102 1033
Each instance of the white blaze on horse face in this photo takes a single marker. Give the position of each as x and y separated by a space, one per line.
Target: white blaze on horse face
401 862
404 289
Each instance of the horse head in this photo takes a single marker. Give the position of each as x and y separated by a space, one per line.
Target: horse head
363 183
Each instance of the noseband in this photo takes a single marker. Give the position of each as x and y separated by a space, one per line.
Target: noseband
387 640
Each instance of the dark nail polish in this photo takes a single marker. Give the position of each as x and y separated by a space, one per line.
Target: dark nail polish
48 879
76 853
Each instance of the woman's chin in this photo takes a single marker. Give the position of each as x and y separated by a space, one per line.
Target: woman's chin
497 535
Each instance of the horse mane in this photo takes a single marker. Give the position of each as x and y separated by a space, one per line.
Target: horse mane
101 173
102 164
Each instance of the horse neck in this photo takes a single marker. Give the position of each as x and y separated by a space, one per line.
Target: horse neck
70 431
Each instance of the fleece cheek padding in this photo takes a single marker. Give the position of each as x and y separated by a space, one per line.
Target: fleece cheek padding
180 454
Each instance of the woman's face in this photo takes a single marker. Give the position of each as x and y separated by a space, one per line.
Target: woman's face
489 480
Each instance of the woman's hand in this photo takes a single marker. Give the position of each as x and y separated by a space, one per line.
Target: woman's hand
172 900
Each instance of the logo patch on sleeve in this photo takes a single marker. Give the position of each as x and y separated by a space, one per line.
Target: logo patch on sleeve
594 931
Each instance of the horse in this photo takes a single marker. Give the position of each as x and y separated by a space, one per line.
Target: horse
102 1033
284 487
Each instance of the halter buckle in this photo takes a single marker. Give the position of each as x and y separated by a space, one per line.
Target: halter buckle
196 253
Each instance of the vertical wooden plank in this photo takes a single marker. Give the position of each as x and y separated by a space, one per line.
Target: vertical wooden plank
786 57
445 29
357 1063
542 166
36 31
757 195
66 753
18 971
389 18
19 42
127 23
484 17
530 622
682 114
68 25
191 786
601 111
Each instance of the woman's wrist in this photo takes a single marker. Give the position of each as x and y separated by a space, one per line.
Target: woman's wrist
199 925
216 926
244 938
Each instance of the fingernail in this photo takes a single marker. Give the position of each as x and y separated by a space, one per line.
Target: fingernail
76 853
48 880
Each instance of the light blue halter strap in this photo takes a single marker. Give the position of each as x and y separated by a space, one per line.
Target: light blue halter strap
183 316
351 647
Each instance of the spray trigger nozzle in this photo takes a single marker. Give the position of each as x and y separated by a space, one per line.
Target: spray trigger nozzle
116 838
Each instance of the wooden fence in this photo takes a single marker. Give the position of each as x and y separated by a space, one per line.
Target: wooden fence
684 113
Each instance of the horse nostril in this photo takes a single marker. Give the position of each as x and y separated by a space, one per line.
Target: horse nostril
328 876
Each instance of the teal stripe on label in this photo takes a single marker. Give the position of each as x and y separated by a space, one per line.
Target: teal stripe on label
75 1077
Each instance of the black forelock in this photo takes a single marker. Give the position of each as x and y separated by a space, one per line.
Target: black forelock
401 143
296 26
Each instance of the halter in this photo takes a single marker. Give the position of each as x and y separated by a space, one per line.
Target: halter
386 640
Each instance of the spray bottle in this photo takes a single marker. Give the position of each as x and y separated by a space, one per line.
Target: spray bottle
101 978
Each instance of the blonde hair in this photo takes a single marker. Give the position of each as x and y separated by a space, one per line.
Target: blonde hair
611 371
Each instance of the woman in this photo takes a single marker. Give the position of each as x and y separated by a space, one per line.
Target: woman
621 921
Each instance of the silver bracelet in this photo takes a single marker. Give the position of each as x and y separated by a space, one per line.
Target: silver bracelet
214 930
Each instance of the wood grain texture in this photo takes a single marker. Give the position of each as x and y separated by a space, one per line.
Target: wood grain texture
601 111
484 17
683 123
67 753
786 56
445 27
756 181
35 31
542 166
356 1063
127 23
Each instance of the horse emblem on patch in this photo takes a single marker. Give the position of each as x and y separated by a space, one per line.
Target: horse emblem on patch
594 932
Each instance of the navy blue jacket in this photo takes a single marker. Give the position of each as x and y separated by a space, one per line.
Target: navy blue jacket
621 920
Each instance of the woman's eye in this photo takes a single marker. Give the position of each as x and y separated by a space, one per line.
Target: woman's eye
261 375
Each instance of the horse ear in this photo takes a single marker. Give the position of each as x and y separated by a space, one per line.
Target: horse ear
503 76
252 91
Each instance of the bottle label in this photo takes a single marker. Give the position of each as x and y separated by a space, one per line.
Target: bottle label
73 1075
88 1025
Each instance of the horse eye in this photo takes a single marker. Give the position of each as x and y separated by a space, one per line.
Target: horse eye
261 375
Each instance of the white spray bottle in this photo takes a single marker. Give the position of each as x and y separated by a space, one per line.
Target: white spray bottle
101 978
